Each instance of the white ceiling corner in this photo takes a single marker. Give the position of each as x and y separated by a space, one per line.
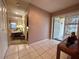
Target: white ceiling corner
53 5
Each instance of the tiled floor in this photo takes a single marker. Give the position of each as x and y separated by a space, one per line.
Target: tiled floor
45 49
18 41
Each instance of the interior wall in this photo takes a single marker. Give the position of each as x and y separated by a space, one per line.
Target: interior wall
38 24
3 31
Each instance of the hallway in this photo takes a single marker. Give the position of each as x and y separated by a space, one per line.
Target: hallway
45 49
26 27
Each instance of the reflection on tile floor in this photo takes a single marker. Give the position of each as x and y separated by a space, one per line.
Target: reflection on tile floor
45 49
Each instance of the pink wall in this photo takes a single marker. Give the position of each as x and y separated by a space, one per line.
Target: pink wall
38 24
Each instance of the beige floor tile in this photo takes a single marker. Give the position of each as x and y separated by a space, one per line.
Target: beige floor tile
23 53
40 51
63 55
46 56
13 56
39 57
33 54
21 47
45 49
30 49
25 57
53 57
11 50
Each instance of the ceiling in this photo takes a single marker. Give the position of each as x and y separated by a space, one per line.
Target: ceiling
53 5
16 8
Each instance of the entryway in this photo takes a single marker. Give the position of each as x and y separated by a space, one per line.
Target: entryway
17 13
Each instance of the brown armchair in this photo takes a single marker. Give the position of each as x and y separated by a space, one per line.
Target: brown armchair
72 51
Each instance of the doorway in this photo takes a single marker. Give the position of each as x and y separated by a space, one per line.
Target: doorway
17 12
59 28
17 32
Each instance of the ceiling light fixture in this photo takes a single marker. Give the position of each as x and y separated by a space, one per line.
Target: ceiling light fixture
16 12
0 9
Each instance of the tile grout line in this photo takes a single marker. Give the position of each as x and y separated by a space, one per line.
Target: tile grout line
27 52
43 49
6 52
18 51
38 53
35 49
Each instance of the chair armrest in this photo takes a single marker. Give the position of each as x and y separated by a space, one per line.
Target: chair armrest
63 41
